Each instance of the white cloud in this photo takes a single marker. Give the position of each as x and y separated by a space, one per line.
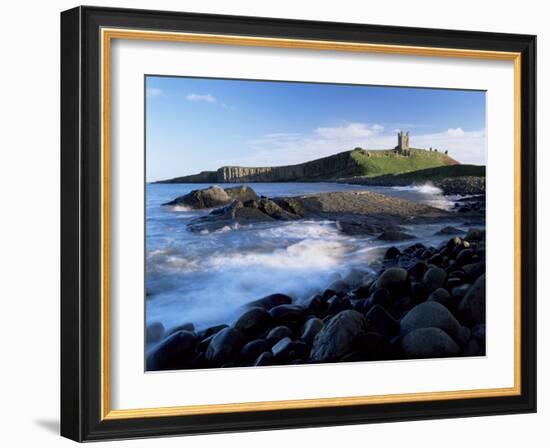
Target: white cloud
153 92
282 148
455 132
201 97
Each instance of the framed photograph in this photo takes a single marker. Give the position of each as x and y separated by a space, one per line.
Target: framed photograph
273 223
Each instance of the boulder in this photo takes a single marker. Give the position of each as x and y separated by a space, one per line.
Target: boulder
224 346
253 349
206 198
336 338
392 253
287 349
188 326
428 343
379 320
474 234
210 331
449 230
155 332
471 309
380 297
271 301
429 314
265 359
278 333
241 193
310 329
434 278
253 321
395 280
175 352
442 296
287 314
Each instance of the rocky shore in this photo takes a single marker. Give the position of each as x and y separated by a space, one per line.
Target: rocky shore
423 302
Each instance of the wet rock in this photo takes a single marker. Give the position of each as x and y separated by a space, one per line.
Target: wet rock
474 235
429 314
336 304
173 353
472 348
253 349
442 296
336 338
271 301
428 343
478 332
471 309
371 344
395 280
380 297
287 349
310 329
253 321
207 198
419 292
188 326
278 333
155 332
462 336
224 346
379 320
474 270
211 331
418 269
434 278
316 305
339 286
392 253
241 193
265 359
287 314
460 291
465 256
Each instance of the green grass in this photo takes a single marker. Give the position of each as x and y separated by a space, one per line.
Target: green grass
433 174
381 162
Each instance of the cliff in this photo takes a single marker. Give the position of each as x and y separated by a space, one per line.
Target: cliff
358 162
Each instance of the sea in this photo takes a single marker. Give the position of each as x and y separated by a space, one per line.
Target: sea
206 278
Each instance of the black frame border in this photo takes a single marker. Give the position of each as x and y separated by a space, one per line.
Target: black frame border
81 223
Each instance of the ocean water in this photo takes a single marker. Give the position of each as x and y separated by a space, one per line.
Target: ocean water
207 278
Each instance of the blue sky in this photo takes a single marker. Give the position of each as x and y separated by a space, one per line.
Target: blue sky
201 124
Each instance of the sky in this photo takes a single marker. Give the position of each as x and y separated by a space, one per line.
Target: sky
197 124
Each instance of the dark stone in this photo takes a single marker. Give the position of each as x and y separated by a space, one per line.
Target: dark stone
454 282
436 259
339 286
392 253
253 349
460 291
183 327
253 321
287 349
287 314
478 332
207 198
363 291
380 297
155 332
175 352
429 314
211 331
472 348
471 309
395 280
428 343
310 329
361 305
379 320
371 344
442 296
474 270
402 305
419 292
462 336
336 338
418 269
224 346
474 235
336 304
316 305
434 278
271 301
464 257
278 333
265 359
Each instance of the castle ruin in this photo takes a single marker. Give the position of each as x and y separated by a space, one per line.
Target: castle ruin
402 147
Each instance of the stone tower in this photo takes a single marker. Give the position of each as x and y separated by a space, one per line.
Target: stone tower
402 142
